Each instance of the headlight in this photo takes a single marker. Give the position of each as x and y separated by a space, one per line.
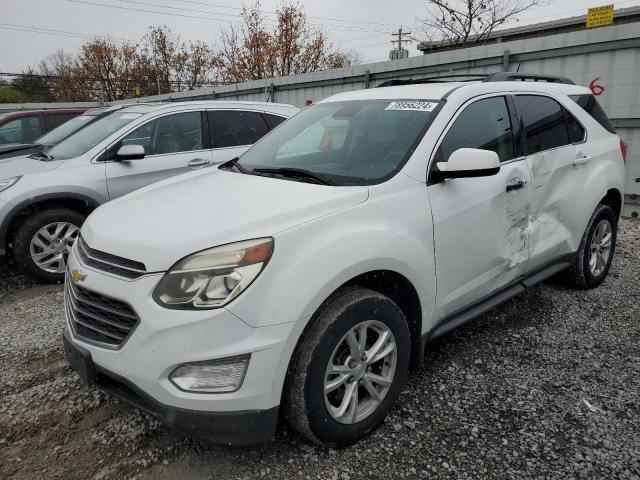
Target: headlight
8 182
212 278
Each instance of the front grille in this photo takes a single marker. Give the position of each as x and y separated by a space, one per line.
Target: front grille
98 318
108 263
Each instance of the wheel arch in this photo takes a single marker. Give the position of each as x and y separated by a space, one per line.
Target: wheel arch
81 203
613 199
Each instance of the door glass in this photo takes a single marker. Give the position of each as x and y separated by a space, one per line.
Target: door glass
544 123
31 129
484 124
181 132
576 132
234 128
56 119
273 120
11 132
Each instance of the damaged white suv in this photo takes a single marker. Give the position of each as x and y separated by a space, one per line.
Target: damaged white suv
303 279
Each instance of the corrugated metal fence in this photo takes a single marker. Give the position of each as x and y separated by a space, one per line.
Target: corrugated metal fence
607 59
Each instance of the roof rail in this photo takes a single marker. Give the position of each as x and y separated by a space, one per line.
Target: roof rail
536 77
463 77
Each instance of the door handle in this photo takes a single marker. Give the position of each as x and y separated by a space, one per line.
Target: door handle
581 160
198 162
515 184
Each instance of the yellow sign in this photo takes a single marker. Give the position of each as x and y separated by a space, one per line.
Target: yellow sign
600 16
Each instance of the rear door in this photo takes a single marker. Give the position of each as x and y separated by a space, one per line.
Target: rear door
234 131
173 143
480 237
553 143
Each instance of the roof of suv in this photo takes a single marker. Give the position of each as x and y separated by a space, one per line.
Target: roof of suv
439 91
152 107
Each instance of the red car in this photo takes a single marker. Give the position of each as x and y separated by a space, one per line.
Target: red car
26 126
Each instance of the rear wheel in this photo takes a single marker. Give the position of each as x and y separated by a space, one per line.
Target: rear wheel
349 368
42 241
597 247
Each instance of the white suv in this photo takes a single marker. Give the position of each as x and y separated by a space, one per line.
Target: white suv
303 279
45 197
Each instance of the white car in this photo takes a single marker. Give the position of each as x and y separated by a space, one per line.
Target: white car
304 279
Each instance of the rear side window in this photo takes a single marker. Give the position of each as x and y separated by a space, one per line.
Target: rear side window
484 124
544 123
56 119
235 128
273 120
11 132
592 107
576 131
31 129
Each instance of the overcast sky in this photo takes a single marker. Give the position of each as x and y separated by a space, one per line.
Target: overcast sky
31 29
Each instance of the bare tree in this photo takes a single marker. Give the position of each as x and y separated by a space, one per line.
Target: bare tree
255 51
464 22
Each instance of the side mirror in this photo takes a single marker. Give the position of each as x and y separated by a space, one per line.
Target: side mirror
130 152
467 163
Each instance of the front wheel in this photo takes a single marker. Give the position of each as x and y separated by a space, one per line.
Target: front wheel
597 247
42 241
349 369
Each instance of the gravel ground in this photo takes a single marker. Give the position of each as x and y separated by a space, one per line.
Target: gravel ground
546 386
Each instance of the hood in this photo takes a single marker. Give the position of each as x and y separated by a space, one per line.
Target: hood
23 165
165 222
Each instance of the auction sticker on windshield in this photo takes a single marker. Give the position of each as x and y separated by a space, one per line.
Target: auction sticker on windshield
414 105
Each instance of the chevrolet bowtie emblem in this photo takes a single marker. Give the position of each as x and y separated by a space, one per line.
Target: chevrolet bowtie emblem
77 275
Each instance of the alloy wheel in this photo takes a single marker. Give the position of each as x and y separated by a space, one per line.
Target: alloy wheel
49 245
600 248
360 372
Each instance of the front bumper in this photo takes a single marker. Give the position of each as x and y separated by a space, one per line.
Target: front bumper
138 370
249 427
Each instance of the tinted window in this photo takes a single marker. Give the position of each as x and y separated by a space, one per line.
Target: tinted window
56 119
484 124
590 104
544 123
576 132
273 120
181 132
31 129
11 132
233 128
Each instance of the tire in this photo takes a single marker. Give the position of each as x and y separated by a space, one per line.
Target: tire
22 244
584 275
306 407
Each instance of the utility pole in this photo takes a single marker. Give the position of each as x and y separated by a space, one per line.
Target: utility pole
399 52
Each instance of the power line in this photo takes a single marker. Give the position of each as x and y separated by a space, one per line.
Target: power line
59 33
342 28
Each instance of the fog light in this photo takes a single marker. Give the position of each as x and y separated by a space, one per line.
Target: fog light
211 376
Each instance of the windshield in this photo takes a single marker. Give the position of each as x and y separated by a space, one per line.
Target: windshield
64 130
81 142
344 143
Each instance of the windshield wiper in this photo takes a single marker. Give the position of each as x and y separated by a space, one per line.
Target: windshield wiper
234 163
298 173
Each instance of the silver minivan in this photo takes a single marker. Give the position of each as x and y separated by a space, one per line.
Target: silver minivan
45 197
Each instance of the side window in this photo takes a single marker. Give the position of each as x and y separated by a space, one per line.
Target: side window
544 123
234 128
576 131
484 124
31 128
273 120
180 132
56 119
11 132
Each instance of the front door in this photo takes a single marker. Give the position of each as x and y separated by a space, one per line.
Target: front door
480 224
173 144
